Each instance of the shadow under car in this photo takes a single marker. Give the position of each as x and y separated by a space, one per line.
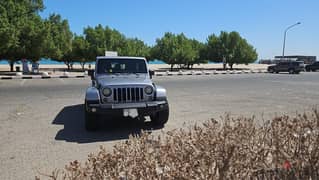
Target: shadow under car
72 117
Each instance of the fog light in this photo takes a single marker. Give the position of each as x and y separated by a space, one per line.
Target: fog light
93 109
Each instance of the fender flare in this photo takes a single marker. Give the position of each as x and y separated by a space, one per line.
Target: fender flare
92 95
160 94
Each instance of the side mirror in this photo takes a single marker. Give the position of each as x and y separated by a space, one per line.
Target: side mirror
152 73
91 73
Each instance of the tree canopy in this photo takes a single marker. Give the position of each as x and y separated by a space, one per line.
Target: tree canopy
22 31
103 39
80 50
229 48
60 46
177 49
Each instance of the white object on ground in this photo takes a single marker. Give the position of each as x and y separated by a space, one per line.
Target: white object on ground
66 74
45 74
19 73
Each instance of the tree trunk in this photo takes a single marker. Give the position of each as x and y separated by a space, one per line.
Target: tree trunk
224 66
11 65
231 66
82 65
68 65
224 63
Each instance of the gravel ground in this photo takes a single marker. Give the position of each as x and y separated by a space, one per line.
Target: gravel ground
41 122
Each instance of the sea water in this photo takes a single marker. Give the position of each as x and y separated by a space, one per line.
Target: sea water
52 62
49 62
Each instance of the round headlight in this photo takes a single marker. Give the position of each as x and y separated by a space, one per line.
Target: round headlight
107 92
148 90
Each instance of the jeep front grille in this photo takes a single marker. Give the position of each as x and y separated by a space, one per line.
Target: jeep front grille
131 94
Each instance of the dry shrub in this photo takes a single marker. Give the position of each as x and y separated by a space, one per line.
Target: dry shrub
237 148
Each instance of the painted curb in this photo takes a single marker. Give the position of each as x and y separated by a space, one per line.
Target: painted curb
198 73
38 77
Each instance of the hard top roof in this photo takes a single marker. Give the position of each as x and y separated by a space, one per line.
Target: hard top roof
119 57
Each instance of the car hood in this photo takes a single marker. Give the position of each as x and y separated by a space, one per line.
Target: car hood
131 79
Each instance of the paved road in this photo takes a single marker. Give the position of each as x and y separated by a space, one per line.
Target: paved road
41 123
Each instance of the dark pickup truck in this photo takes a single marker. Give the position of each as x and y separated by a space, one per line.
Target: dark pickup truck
292 67
312 67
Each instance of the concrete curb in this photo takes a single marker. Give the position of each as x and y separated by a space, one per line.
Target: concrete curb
197 73
39 77
167 73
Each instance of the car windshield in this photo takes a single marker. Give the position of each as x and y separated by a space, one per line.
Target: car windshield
299 63
109 66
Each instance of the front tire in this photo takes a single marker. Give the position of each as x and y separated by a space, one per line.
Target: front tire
271 70
90 120
291 71
160 118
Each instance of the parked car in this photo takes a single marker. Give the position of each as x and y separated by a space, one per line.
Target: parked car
122 87
312 67
292 67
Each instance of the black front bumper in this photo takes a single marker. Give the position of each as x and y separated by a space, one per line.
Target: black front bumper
143 108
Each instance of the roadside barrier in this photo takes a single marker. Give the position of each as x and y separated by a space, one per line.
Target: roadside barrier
214 72
46 75
39 77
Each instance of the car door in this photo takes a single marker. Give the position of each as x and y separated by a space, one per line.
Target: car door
283 66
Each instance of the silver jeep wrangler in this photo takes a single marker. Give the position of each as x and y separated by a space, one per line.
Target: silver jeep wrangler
122 86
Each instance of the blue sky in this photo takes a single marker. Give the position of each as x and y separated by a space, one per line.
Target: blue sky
261 22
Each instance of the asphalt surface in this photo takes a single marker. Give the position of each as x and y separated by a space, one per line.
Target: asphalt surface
42 125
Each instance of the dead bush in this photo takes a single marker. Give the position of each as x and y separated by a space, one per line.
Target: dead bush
233 148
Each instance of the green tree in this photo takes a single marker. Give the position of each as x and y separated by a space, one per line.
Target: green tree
115 41
34 39
177 50
22 33
97 40
103 39
229 48
135 47
60 48
197 51
185 54
80 50
166 49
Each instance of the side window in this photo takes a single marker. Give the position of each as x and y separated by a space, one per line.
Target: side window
123 67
